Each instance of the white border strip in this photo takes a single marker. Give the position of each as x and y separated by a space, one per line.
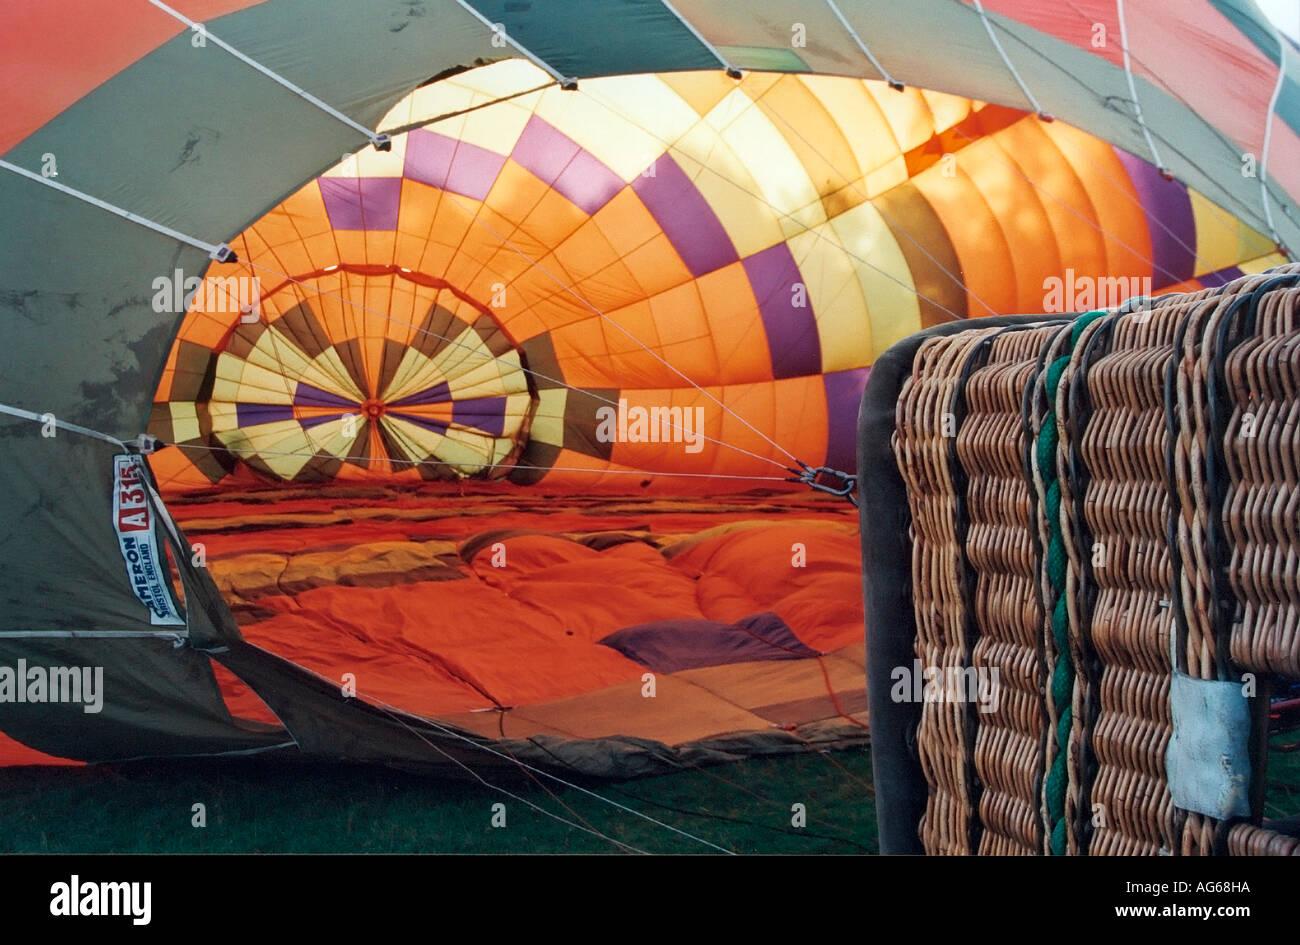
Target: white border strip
997 44
893 83
273 76
218 251
1132 90
1268 138
568 83
729 67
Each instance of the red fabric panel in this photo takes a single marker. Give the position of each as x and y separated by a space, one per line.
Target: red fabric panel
56 51
1071 22
16 753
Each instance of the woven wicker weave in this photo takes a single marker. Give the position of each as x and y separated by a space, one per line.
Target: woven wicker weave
924 427
1173 436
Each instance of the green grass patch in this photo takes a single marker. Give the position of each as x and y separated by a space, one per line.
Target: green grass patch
263 806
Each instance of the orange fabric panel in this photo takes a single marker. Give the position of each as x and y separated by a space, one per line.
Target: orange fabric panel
173 470
1113 198
525 634
734 318
986 249
240 699
796 571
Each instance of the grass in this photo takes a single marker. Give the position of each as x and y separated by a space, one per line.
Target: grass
263 806
297 807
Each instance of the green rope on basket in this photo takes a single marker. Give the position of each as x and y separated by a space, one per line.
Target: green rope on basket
1063 673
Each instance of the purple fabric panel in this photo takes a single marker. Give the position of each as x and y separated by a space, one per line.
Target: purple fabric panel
588 183
429 423
685 217
556 159
250 415
1212 280
448 164
484 413
843 399
1169 218
792 335
308 396
428 157
309 422
543 151
669 646
439 393
362 203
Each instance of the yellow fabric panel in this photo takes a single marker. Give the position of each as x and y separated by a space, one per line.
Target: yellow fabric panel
595 122
185 421
782 180
723 177
816 138
906 113
548 419
835 296
367 162
650 132
1222 239
1253 266
702 91
947 110
893 311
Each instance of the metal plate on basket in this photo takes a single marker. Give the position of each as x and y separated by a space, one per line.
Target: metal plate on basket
1208 760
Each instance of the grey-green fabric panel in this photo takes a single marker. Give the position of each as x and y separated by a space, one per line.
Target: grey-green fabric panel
579 38
156 700
194 139
1087 92
59 553
941 45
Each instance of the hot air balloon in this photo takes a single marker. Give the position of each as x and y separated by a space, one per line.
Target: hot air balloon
480 395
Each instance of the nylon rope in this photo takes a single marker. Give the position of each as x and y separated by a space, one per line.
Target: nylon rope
430 462
487 357
884 74
1218 211
731 70
1132 89
498 29
1062 682
1006 60
61 424
376 139
1268 135
707 772
214 250
397 716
